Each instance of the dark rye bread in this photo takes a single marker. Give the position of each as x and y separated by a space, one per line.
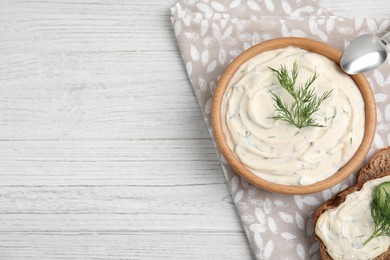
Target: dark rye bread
378 166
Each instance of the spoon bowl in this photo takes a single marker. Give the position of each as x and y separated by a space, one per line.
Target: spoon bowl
363 54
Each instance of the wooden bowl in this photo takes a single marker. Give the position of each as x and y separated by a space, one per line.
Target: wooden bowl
313 46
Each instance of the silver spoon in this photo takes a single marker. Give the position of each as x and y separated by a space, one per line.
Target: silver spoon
365 53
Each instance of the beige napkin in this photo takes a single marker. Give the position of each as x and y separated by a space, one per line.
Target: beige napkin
212 33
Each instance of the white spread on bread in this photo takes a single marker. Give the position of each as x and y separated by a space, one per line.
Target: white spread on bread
344 229
278 151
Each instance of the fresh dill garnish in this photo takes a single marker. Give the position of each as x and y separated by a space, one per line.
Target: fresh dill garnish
305 101
380 211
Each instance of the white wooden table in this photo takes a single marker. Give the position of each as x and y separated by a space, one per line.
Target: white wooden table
103 150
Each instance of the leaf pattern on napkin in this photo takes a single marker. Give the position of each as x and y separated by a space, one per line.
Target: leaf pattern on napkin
210 35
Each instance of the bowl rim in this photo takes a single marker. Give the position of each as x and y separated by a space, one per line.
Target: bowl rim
313 46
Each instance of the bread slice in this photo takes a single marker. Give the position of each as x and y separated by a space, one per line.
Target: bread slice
378 166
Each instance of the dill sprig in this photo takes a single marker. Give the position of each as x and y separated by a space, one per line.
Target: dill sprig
305 101
380 211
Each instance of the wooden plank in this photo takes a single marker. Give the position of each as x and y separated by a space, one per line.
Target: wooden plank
113 185
45 26
137 176
204 219
161 245
111 162
361 8
99 74
97 95
186 203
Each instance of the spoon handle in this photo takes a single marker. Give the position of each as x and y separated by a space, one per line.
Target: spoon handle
386 38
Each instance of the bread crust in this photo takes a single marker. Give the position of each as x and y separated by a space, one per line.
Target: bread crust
377 167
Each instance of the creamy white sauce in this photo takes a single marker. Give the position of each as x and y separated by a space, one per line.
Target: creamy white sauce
278 151
345 228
